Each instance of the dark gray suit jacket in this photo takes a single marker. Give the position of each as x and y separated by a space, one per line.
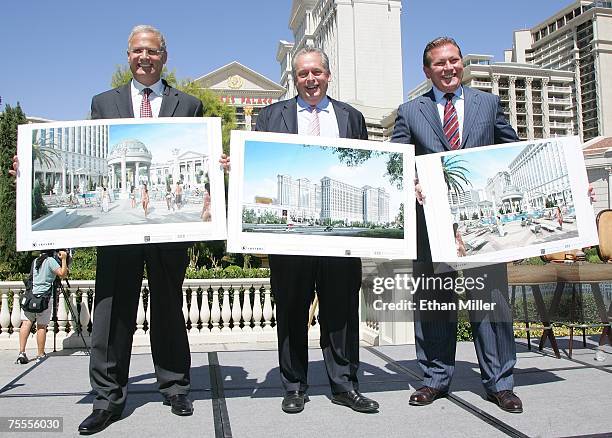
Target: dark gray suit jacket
117 103
418 123
282 117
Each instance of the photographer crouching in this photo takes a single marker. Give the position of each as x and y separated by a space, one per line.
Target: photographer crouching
35 305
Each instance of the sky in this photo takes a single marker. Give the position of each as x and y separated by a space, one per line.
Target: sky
58 54
260 176
160 139
482 165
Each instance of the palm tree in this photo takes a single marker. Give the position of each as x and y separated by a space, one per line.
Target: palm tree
455 174
44 153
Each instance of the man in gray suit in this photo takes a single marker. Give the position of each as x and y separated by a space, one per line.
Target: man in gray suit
337 280
119 269
451 116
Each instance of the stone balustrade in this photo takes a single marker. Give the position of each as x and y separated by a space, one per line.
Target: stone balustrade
215 311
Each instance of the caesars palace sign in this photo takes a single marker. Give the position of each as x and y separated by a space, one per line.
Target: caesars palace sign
244 100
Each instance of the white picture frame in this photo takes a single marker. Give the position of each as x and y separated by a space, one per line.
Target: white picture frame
97 175
278 177
522 184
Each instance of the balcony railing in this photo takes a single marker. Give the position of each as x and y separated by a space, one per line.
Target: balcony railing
556 89
560 125
555 101
485 84
560 113
214 310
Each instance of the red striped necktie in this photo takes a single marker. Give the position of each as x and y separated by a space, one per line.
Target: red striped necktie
314 127
145 105
451 122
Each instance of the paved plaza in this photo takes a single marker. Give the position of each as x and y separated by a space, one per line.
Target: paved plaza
237 393
517 235
121 212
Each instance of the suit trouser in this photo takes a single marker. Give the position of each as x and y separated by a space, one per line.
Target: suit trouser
436 331
337 281
119 274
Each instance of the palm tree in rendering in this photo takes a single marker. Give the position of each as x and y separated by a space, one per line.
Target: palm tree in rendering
455 174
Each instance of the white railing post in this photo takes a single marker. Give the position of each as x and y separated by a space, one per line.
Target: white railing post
16 312
140 315
205 312
267 310
236 311
5 316
247 310
62 316
194 313
84 314
226 312
257 310
215 312
74 320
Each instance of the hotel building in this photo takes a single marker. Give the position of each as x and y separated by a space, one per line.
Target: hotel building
540 171
577 39
331 200
363 41
72 157
244 89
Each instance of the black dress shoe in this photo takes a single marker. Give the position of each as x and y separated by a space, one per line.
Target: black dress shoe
356 401
181 405
294 402
507 400
425 396
98 420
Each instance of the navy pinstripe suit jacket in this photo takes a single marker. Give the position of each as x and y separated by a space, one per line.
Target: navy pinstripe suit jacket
418 123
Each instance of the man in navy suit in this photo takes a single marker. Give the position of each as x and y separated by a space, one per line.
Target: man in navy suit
451 116
119 269
337 280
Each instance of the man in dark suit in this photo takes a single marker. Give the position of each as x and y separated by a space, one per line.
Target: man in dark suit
119 269
337 280
450 117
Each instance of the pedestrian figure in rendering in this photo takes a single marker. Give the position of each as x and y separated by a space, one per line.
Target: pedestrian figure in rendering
145 199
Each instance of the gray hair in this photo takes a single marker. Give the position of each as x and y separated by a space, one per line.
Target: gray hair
304 51
145 28
440 41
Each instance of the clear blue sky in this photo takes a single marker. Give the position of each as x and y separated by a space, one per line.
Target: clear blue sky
58 54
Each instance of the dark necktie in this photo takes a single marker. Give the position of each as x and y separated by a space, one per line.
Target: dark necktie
145 105
451 122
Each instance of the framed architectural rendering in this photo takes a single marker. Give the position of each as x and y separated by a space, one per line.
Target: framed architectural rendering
292 194
507 202
119 181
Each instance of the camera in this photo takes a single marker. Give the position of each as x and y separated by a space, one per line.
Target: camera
55 254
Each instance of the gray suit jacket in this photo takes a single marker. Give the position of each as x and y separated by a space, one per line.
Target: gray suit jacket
418 123
117 103
282 117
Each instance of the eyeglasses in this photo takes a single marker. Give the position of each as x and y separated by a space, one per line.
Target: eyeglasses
141 50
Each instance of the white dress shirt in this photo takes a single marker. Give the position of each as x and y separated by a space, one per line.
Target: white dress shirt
155 98
458 101
328 124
